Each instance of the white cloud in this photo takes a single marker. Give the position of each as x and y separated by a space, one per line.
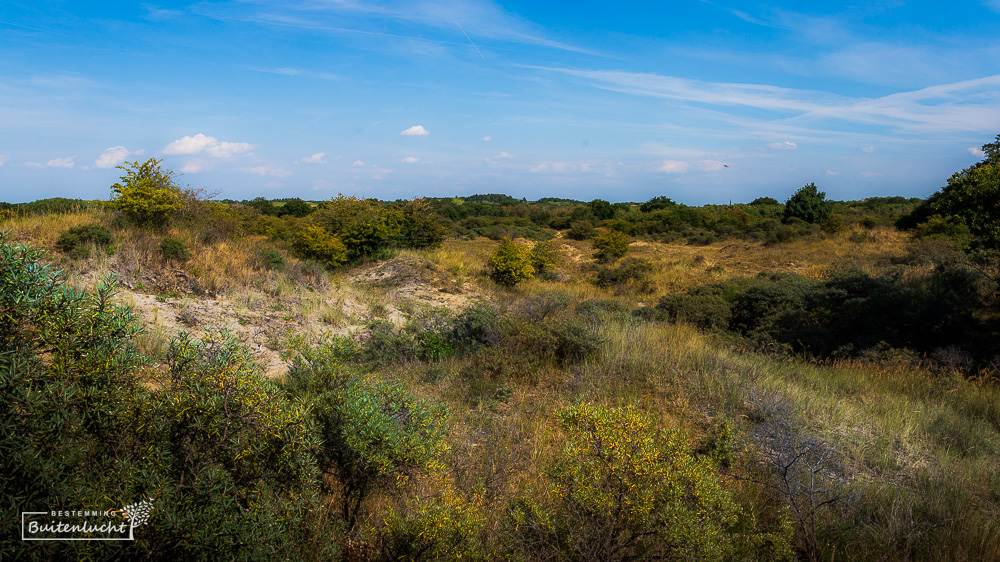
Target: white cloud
870 175
501 156
415 131
786 145
358 164
977 152
411 160
487 138
868 149
3 160
681 166
35 165
673 166
192 168
112 157
314 159
831 173
210 146
269 171
61 162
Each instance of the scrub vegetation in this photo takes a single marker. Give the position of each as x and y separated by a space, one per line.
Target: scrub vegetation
486 377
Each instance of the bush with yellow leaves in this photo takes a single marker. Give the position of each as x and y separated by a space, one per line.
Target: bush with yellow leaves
624 490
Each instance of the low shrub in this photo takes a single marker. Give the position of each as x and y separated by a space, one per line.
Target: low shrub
174 249
77 240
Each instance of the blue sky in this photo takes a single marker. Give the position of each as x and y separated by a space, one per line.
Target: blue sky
702 101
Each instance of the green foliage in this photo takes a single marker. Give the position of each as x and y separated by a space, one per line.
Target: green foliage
295 207
442 527
543 256
602 209
630 272
315 242
422 226
657 203
174 249
77 240
272 260
67 382
762 201
848 313
375 436
611 245
580 230
808 204
972 197
511 263
147 194
623 490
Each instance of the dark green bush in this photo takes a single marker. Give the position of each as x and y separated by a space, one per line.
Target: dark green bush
272 260
633 272
77 240
808 204
174 249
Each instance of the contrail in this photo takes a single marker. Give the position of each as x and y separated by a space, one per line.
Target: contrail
469 38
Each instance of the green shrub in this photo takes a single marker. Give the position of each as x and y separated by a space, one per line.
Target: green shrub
272 260
511 263
580 230
543 256
147 194
611 245
77 240
622 490
629 272
375 436
808 204
174 249
315 242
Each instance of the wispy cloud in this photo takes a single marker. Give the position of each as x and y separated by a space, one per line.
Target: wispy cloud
456 21
314 159
784 145
210 146
966 106
868 149
284 71
270 171
410 160
61 162
192 168
415 131
682 166
487 138
976 151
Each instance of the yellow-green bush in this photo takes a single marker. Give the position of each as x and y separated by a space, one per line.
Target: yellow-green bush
511 263
622 489
611 245
147 194
315 242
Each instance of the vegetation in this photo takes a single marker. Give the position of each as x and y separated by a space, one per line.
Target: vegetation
721 382
147 194
511 263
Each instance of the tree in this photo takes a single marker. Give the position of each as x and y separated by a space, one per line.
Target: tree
968 206
147 194
808 204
